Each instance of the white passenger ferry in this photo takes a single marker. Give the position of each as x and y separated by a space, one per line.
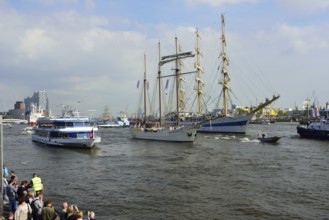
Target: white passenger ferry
73 131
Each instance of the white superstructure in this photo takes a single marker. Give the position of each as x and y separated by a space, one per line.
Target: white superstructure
75 132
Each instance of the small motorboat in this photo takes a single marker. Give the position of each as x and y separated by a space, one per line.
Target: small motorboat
264 138
269 139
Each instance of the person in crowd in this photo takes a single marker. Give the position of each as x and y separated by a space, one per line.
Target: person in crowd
37 206
48 211
91 215
36 184
22 188
63 213
79 215
70 213
12 173
25 196
4 185
30 188
5 170
30 197
23 210
11 193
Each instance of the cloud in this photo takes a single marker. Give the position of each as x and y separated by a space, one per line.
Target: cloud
219 3
51 2
35 44
302 39
305 6
90 4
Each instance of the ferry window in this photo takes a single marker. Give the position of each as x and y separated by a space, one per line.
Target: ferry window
54 134
45 124
78 124
69 124
71 135
63 135
59 124
83 135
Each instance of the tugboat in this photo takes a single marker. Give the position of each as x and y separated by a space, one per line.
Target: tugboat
316 129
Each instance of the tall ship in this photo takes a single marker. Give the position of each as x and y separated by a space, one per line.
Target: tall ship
225 122
69 130
157 129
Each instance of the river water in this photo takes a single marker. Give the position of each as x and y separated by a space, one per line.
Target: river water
216 177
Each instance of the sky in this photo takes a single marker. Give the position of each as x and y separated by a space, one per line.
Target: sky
90 53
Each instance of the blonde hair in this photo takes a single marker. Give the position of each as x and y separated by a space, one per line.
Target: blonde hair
31 194
79 214
70 210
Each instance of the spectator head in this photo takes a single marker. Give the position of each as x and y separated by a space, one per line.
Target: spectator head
21 200
13 179
91 215
79 214
24 183
64 205
70 210
49 203
31 194
40 196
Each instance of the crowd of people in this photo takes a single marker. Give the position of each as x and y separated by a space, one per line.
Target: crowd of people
26 202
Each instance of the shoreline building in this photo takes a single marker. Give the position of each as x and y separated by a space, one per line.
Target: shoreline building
36 106
39 102
19 110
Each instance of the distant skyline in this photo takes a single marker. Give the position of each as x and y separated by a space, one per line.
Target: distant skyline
89 53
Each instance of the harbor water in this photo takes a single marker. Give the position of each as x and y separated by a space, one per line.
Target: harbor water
216 177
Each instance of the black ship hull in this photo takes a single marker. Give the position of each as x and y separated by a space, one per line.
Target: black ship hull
305 132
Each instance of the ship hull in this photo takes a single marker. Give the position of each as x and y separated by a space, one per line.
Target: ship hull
306 132
237 124
182 134
70 143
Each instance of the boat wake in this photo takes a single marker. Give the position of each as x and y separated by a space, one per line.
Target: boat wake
225 137
247 140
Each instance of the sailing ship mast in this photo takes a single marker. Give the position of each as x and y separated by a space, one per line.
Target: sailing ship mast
200 83
177 76
170 58
159 83
106 113
225 64
144 86
181 89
